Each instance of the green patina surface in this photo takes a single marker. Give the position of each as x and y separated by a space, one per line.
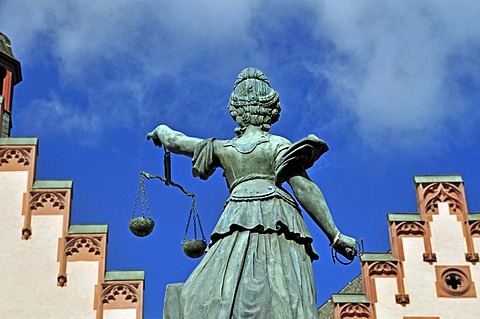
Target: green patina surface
438 179
404 217
46 184
5 45
413 217
377 257
117 275
251 164
474 216
7 56
88 229
19 141
348 298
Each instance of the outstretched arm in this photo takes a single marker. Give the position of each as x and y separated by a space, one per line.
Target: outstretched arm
311 199
176 142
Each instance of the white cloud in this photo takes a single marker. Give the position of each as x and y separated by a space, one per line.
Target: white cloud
59 116
391 66
154 35
106 49
388 65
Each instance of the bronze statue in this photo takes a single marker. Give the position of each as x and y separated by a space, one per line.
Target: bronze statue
259 260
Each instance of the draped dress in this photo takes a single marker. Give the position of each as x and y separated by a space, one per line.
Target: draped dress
258 264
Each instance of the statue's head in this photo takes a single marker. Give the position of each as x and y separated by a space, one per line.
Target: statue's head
253 101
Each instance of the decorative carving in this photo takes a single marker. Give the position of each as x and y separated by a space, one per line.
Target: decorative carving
472 257
440 193
453 194
76 244
471 229
429 257
402 299
26 233
382 268
410 228
454 282
120 293
61 280
45 202
20 156
41 199
80 247
475 228
351 310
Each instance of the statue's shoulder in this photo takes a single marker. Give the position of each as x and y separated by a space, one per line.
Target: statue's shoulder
280 140
303 153
311 143
311 140
219 143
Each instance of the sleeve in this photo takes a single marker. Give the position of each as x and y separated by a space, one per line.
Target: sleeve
203 159
301 154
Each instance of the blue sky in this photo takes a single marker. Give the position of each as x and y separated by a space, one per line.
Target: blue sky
391 87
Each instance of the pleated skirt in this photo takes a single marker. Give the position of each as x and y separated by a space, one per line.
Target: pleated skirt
247 275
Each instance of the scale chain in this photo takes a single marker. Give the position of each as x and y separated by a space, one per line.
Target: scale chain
199 223
195 225
196 218
141 191
189 218
145 205
136 197
143 196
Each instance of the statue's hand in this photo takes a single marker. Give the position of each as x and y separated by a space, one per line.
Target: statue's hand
155 136
346 246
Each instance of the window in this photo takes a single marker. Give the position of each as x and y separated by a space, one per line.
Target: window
454 282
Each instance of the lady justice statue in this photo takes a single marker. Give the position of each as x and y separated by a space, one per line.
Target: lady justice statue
259 260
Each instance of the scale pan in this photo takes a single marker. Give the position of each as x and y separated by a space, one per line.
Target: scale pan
194 248
141 226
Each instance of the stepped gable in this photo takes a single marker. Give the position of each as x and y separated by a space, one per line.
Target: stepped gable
65 262
50 268
432 271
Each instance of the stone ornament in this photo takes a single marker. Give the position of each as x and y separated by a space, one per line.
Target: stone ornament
454 282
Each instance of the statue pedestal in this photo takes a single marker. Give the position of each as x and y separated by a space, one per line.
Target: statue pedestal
172 302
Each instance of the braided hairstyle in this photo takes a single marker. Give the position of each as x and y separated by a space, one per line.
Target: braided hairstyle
253 101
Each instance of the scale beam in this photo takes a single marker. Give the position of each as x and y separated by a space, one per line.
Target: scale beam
167 182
